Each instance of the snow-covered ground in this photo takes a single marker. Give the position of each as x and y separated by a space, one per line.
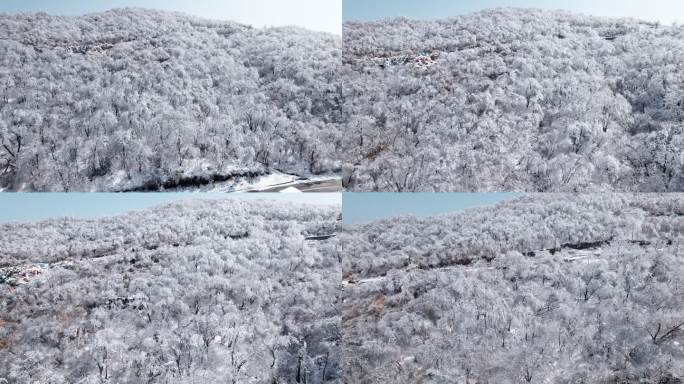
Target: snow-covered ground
276 182
273 181
259 183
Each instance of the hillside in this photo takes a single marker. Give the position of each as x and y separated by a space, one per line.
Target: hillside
141 99
514 100
197 291
538 289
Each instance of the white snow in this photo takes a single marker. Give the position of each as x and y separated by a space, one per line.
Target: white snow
263 183
291 190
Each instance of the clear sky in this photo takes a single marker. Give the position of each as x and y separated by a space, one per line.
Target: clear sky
665 11
365 207
317 15
28 207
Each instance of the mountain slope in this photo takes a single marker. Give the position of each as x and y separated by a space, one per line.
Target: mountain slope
205 291
514 100
131 98
542 288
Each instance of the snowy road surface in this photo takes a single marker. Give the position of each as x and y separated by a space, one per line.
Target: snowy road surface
330 185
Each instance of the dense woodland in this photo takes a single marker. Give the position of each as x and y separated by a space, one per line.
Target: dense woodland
131 98
192 292
538 289
507 99
514 100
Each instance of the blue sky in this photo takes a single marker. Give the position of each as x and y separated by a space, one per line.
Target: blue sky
665 11
356 207
28 207
366 207
317 15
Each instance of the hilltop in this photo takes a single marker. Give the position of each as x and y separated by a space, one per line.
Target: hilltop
140 99
542 288
514 100
216 291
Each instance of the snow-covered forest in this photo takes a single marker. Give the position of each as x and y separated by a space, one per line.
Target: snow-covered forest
506 100
514 100
216 291
548 288
141 99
